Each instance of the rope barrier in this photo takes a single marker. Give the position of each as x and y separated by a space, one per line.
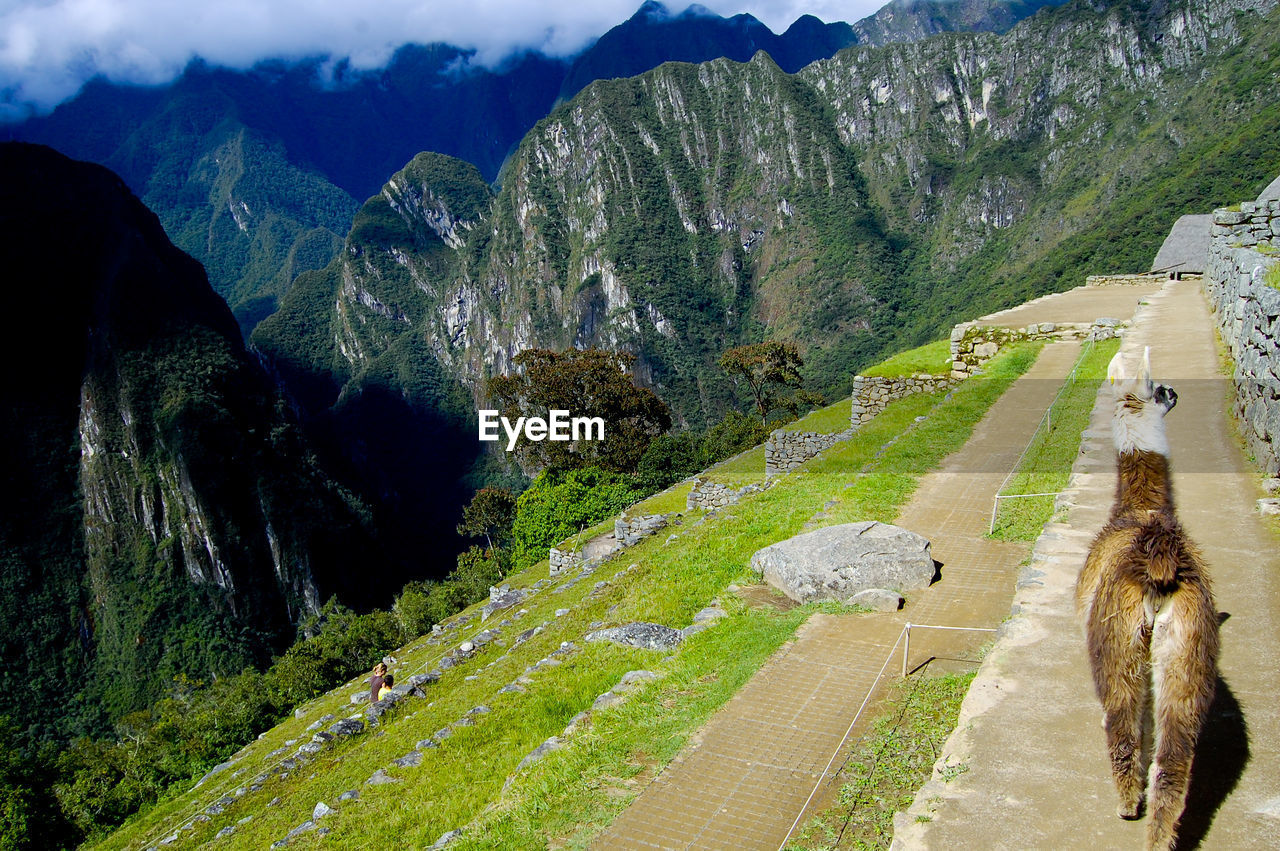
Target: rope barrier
904 634
1046 423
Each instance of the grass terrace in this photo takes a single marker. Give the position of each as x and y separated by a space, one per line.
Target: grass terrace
1046 466
536 673
931 359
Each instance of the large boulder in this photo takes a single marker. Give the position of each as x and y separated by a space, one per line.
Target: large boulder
838 562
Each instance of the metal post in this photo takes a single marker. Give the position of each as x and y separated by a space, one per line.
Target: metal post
906 648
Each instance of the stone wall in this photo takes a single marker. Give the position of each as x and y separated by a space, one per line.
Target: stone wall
629 530
1127 280
1244 244
562 560
786 450
972 344
707 494
872 394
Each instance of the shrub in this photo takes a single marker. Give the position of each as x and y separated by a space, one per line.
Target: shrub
558 505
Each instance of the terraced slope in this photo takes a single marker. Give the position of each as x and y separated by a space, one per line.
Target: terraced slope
510 682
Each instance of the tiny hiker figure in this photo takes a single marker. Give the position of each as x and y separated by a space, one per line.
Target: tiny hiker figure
375 682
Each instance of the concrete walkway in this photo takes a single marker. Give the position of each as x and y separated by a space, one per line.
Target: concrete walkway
744 780
1029 733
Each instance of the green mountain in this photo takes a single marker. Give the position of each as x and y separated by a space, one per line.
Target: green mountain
161 514
257 173
864 204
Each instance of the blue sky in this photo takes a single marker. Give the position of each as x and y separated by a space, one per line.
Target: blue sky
48 48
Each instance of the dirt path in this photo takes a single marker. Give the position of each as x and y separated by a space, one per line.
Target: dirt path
1029 734
746 778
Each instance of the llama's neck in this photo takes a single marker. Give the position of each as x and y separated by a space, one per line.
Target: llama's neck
1139 427
1143 483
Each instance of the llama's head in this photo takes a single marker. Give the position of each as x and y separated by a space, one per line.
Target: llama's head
1138 424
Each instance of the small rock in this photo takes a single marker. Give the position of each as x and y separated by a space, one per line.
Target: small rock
321 810
347 727
604 701
300 829
631 678
274 802
563 612
225 832
427 743
410 760
1271 486
349 795
573 723
1269 506
540 751
381 778
446 839
467 646
650 636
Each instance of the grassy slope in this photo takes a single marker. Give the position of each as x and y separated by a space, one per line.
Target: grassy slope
571 793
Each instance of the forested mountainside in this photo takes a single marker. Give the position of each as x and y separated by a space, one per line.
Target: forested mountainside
161 514
864 204
912 20
257 173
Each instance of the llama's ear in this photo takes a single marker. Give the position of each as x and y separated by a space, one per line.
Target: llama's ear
1146 364
1115 369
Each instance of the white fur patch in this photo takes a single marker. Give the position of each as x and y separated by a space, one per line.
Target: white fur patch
1138 424
1139 431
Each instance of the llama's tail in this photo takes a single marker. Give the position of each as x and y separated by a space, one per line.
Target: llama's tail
1160 549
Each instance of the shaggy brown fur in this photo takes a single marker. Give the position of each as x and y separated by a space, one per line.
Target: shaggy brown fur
1150 620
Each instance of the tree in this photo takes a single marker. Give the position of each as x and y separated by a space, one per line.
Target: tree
489 515
768 369
586 383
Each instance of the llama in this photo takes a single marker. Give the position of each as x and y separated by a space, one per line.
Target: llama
1150 622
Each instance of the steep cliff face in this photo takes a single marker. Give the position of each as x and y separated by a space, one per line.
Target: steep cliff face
358 344
672 216
160 512
866 202
968 140
913 20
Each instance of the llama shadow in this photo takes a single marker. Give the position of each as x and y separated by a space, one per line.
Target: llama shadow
1222 752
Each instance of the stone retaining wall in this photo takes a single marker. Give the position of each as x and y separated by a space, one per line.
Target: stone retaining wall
872 394
562 560
1243 246
629 530
972 344
707 494
1127 280
786 450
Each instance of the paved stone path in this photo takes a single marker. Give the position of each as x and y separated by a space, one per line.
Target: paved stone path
746 777
1030 731
1082 304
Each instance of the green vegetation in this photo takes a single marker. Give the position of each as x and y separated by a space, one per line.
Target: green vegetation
771 372
590 383
930 359
571 793
1046 466
1273 276
888 764
561 504
827 420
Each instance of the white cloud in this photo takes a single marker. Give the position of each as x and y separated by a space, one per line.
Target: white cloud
48 48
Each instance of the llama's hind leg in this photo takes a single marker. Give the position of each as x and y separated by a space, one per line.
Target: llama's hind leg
1184 684
1124 744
